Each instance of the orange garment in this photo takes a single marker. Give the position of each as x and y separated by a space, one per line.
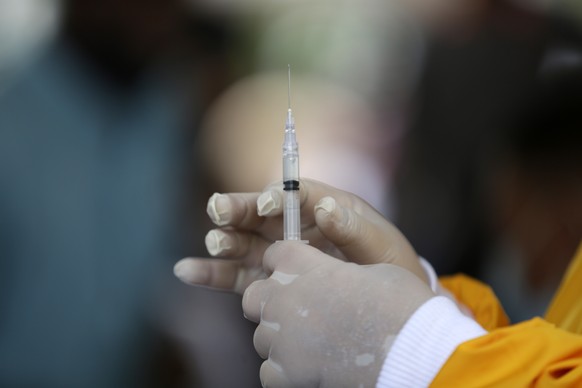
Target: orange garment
536 353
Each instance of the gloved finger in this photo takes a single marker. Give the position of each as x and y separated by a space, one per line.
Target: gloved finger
270 202
363 241
263 337
255 298
229 242
353 234
291 258
272 375
223 275
239 210
206 272
234 209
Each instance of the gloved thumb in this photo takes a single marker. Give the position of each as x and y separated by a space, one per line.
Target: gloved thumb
362 240
350 232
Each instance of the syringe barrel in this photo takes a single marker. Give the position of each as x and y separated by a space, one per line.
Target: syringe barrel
291 217
291 220
290 165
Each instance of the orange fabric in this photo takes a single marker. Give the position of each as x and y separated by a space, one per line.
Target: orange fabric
535 353
479 298
565 311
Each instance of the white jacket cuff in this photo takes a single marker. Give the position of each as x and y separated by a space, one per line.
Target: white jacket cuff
430 274
436 287
424 344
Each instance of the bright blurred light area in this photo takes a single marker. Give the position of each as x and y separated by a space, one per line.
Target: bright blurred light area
366 45
25 27
340 140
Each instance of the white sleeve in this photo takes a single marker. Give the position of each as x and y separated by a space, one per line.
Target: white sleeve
425 343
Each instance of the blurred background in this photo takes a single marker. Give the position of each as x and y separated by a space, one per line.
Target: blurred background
118 119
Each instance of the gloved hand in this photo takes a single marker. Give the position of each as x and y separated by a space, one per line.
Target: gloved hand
326 323
335 221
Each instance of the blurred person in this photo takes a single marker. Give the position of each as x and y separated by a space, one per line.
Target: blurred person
95 168
537 193
339 136
480 64
347 59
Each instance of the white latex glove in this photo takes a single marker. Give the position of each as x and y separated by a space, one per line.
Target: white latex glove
326 323
335 221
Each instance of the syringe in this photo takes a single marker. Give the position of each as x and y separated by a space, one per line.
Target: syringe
291 217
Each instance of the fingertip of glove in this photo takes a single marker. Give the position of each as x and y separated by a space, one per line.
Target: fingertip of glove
329 213
219 209
216 242
189 271
325 206
267 203
179 268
